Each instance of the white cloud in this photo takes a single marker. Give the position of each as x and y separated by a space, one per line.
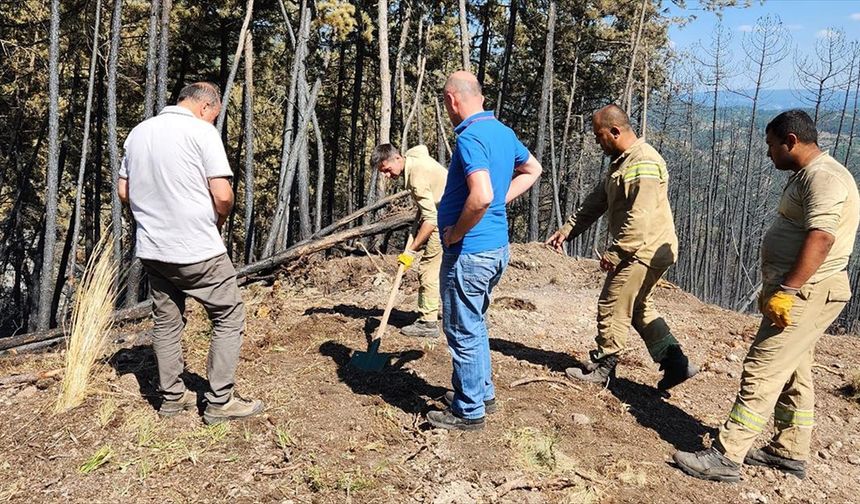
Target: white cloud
828 33
745 28
855 16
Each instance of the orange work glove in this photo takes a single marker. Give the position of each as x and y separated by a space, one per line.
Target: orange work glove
778 307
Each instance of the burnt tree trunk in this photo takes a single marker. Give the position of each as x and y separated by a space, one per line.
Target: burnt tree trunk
46 278
249 147
534 192
113 150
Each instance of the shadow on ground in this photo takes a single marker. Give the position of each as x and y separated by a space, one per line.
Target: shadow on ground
370 316
140 362
554 361
646 403
395 385
671 423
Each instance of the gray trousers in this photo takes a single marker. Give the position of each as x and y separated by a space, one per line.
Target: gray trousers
213 284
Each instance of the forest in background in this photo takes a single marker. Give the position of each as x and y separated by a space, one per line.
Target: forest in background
311 86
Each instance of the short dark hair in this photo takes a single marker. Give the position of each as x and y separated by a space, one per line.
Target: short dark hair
382 153
200 92
612 115
793 121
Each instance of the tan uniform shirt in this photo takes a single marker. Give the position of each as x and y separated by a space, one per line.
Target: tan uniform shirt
635 192
425 178
823 195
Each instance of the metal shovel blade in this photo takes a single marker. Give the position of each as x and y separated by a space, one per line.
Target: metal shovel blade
371 360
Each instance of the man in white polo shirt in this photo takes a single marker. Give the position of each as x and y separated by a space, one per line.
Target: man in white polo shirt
176 178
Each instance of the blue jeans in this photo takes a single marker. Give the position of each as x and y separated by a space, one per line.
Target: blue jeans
466 281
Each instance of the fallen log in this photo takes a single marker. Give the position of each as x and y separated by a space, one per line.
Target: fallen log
31 347
397 221
142 310
354 216
26 378
136 312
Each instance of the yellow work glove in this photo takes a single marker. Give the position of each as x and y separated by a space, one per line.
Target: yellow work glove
406 259
778 307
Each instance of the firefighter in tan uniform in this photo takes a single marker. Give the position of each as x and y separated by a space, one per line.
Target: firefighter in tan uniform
804 288
634 195
425 178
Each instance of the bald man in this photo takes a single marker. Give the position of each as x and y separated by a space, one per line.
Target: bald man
489 168
634 194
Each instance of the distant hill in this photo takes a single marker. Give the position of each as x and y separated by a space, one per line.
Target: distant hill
773 100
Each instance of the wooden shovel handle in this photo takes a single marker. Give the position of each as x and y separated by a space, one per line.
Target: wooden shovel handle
397 278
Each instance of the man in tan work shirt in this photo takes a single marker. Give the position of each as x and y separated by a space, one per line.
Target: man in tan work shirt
634 194
804 261
425 178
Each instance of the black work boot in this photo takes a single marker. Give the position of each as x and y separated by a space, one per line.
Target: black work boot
448 420
676 368
708 464
490 406
766 459
594 372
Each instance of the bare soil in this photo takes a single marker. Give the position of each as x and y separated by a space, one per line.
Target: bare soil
332 434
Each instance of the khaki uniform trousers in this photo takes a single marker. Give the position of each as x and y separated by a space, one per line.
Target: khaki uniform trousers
777 375
627 298
428 278
213 283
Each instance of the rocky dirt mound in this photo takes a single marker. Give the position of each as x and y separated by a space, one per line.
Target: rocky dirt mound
331 434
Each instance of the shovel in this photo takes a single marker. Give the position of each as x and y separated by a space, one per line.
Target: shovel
372 360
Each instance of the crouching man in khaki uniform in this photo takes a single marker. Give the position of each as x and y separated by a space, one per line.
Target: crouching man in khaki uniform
804 288
634 195
425 178
176 178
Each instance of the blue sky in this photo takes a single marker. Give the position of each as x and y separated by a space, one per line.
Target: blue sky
806 21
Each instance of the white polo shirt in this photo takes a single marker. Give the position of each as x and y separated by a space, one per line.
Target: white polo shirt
168 162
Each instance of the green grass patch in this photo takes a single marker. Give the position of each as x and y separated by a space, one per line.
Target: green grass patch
283 437
315 479
354 481
213 433
98 459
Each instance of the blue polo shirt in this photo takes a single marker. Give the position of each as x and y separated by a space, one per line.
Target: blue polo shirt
483 143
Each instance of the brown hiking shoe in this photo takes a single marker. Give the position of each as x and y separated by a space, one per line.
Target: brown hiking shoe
172 407
234 409
766 459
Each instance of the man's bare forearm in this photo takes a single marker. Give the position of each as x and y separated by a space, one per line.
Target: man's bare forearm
525 177
122 190
423 234
520 184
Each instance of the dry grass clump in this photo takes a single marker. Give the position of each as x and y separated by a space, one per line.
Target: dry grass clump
538 452
91 323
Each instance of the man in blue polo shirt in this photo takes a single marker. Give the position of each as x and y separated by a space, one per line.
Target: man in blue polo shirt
489 168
